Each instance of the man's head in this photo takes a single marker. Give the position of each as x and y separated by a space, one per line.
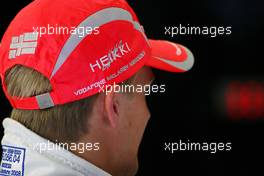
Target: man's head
115 120
53 80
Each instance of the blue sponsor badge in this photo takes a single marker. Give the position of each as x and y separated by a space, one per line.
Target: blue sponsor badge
12 163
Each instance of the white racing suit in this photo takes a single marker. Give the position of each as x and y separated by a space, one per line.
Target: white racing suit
22 157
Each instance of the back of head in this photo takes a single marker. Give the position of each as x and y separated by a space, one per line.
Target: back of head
62 123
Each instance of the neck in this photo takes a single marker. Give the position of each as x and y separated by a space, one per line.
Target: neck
97 154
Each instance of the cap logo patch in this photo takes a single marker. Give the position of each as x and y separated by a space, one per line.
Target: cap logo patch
24 44
120 50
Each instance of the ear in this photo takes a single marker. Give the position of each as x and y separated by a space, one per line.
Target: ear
112 108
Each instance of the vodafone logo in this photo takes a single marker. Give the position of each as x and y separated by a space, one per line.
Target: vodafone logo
118 52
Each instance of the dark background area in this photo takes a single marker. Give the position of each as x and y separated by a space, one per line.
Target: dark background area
194 106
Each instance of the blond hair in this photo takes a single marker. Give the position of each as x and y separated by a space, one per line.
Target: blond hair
62 123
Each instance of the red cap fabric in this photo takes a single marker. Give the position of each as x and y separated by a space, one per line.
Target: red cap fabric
77 66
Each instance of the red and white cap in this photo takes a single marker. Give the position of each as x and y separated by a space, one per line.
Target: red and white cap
77 66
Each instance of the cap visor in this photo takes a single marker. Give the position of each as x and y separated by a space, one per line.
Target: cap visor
170 56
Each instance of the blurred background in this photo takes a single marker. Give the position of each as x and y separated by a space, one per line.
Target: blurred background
220 100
